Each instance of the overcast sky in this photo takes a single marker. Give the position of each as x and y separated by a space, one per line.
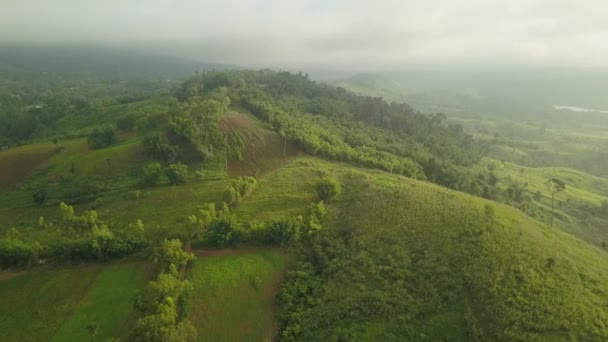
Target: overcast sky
347 33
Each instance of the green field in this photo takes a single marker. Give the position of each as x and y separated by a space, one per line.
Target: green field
234 294
57 305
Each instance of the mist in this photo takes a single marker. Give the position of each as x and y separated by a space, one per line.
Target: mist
341 34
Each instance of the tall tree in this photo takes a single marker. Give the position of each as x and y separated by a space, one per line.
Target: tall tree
555 186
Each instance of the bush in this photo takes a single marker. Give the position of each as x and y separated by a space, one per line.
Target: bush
39 196
177 173
15 253
283 232
102 137
240 188
328 189
221 232
151 174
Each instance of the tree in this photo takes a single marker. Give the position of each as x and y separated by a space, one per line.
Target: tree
220 233
172 253
328 189
92 329
177 173
555 186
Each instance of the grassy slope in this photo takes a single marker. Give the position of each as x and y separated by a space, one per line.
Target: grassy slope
234 295
109 302
264 150
577 208
57 304
446 267
454 269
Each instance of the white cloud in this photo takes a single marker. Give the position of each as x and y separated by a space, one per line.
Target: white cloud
356 32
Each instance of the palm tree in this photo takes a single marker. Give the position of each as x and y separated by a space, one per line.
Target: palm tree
555 186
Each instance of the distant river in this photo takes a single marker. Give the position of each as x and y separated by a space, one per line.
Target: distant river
578 109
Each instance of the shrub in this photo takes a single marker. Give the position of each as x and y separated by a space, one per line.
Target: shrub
177 173
284 232
151 174
15 253
328 189
39 196
240 188
221 232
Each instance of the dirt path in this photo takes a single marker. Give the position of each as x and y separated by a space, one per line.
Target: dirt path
6 275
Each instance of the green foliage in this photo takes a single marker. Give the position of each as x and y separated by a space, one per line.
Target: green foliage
160 150
235 146
240 188
39 196
194 125
16 253
92 329
151 174
102 137
177 173
163 303
222 233
170 253
328 189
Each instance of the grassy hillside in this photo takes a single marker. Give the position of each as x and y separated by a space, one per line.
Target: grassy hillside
406 260
578 209
57 305
272 151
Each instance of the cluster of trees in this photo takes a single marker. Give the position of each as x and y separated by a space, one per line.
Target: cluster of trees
102 137
191 131
151 174
37 106
82 237
163 303
15 252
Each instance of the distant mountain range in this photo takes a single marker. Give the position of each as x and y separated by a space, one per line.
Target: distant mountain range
99 62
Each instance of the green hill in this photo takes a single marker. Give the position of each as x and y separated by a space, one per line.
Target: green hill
363 221
405 260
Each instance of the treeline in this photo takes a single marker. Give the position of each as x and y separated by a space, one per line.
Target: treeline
215 226
163 303
82 237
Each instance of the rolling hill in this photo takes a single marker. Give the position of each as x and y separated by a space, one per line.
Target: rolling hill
386 257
